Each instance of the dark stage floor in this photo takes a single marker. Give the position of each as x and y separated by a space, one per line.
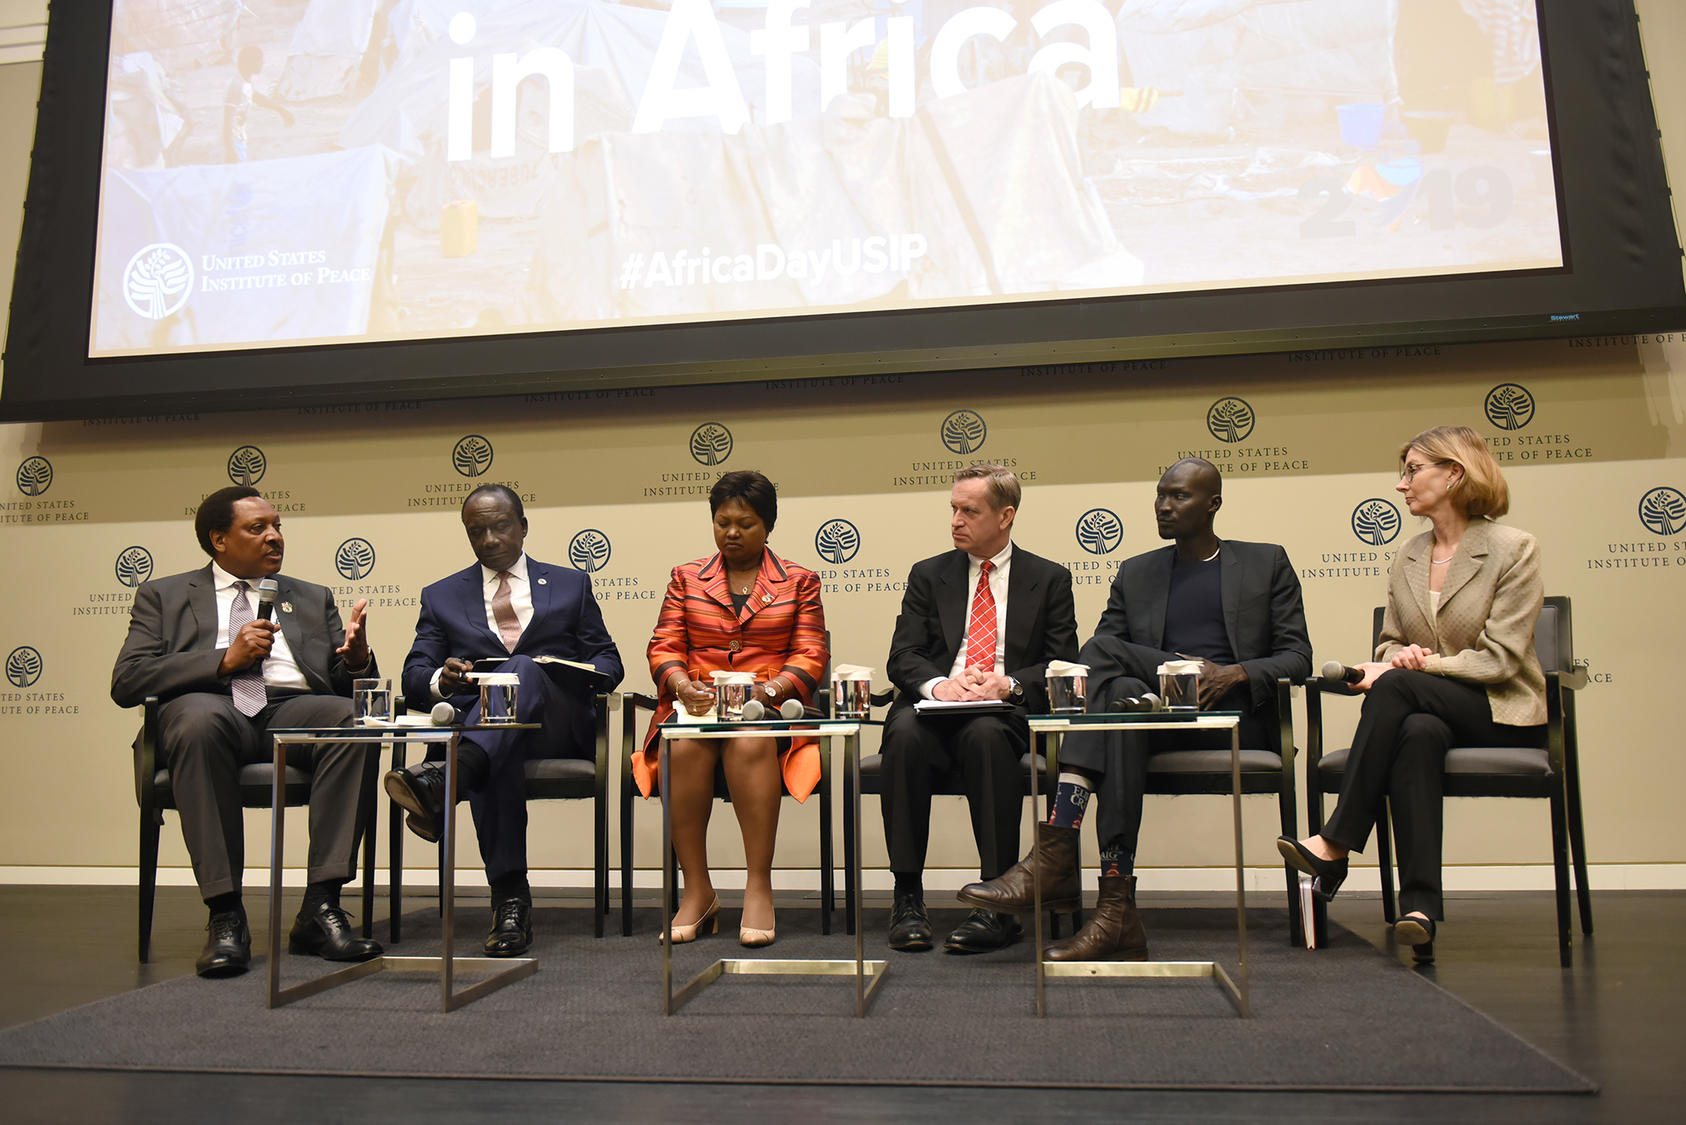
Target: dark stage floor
1616 1016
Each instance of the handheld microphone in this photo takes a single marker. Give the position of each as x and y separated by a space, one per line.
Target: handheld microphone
1147 701
1336 671
755 710
443 714
266 599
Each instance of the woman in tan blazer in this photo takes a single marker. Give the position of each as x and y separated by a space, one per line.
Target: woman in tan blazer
1455 666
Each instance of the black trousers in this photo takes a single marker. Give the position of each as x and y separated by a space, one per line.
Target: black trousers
977 755
1117 760
499 804
1410 719
204 740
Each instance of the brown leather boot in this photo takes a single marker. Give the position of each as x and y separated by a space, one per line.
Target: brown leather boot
1113 932
1012 893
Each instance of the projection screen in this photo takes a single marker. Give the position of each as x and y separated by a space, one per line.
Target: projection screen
289 173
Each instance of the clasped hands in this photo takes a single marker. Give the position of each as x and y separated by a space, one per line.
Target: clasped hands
1413 657
973 684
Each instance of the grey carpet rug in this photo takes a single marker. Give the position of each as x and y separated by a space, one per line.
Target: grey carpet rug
1342 1018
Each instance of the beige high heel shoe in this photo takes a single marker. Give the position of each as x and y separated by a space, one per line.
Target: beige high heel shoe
707 924
751 938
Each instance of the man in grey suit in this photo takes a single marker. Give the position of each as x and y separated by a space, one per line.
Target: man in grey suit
1234 606
224 677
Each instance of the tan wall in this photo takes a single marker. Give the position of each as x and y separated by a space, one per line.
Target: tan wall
1607 427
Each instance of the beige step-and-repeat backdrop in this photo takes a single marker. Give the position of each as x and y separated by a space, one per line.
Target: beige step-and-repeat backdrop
1590 432
615 483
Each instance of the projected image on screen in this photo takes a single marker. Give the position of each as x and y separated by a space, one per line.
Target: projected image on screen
286 172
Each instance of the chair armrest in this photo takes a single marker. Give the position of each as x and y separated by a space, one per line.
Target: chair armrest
632 702
1285 719
146 760
1575 678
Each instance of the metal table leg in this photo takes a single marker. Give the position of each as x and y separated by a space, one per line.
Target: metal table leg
859 967
507 970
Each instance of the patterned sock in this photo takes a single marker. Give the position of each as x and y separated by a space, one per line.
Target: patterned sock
1071 797
1116 859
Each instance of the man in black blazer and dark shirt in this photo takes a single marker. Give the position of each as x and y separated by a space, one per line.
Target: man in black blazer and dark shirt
980 624
1236 607
224 676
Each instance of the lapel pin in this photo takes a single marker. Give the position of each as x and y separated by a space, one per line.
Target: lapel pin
766 598
286 607
544 582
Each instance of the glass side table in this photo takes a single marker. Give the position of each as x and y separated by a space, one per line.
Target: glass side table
1052 728
868 974
498 971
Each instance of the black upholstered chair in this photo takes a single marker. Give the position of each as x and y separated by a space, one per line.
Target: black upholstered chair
1181 772
872 784
548 779
1551 774
155 796
633 703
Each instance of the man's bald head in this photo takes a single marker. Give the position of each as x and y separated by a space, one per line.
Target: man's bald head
1190 494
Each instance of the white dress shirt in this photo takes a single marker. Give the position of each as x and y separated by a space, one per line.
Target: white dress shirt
280 670
520 599
998 589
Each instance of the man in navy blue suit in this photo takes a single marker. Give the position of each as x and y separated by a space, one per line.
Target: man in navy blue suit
511 608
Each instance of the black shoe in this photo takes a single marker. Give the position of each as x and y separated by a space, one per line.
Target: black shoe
910 926
1419 932
984 932
512 928
228 946
1327 874
327 933
420 791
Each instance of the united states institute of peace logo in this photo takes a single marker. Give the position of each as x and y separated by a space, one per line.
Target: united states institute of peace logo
35 476
964 432
1376 522
157 280
1099 531
355 559
23 667
1663 511
1230 419
711 444
247 465
134 566
472 455
1509 406
589 550
837 541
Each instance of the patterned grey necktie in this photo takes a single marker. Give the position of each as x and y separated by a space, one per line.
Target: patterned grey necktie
246 686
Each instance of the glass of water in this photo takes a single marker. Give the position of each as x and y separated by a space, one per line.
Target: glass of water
371 702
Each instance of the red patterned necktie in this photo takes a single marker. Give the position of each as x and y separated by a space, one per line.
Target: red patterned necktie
247 685
980 633
503 611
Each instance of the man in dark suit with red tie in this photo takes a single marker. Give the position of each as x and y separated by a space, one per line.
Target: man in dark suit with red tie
978 624
513 608
224 676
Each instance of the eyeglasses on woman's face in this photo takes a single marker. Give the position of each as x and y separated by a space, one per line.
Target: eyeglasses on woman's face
1411 471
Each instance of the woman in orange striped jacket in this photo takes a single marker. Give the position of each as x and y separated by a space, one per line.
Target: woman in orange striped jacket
741 609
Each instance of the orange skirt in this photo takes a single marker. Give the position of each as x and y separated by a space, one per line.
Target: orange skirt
799 758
